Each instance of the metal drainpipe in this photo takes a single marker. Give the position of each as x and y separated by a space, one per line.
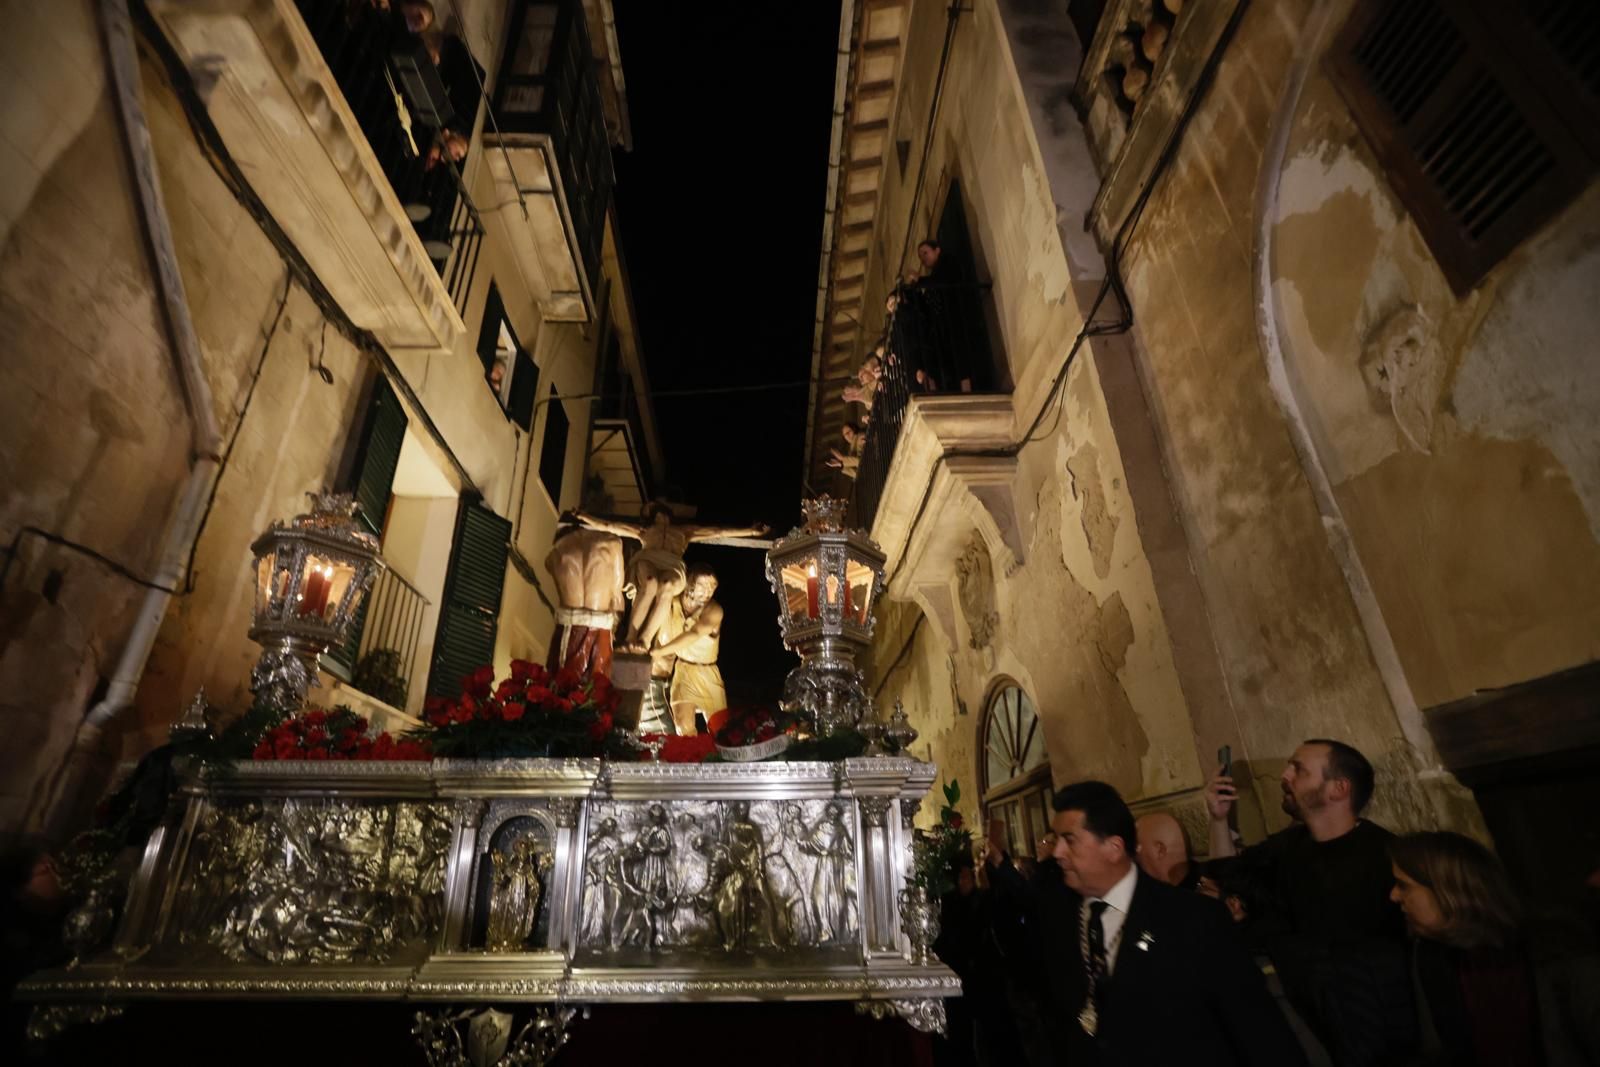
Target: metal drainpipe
1273 343
841 88
206 442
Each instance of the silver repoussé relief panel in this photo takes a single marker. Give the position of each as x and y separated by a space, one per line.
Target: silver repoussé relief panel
736 876
291 880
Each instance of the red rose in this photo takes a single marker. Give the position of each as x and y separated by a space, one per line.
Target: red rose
316 753
538 695
316 717
955 822
566 680
561 704
263 751
285 747
600 727
461 713
513 712
507 689
316 736
479 682
735 737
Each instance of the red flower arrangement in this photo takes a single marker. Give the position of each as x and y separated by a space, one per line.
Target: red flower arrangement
532 713
339 734
746 728
690 748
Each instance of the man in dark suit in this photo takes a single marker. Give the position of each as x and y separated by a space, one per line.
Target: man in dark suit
1144 974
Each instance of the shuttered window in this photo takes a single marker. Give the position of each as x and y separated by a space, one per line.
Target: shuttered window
377 455
469 612
371 479
1484 114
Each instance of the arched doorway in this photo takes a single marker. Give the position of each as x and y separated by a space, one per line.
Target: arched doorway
1013 768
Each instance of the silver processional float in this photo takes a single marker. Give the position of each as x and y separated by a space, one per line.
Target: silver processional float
500 893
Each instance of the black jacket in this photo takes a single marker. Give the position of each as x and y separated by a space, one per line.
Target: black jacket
1182 990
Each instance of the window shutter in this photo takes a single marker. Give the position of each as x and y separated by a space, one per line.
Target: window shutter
524 390
1468 105
469 613
378 455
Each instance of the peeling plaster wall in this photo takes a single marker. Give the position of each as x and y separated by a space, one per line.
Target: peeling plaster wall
1287 633
1079 625
1460 434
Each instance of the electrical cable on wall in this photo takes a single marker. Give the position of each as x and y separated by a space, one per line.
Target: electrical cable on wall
1113 283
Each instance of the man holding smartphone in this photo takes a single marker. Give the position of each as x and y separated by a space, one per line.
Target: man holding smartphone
1335 937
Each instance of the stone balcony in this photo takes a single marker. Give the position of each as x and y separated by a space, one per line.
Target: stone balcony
950 475
286 123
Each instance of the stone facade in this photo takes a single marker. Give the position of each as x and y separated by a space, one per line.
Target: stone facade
96 436
1214 550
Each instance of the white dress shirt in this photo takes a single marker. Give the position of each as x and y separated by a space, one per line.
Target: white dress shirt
1118 899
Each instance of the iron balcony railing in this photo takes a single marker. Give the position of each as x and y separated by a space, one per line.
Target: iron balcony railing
392 87
937 341
380 657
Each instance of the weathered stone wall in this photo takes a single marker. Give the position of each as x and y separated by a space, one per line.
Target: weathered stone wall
94 435
1458 434
1077 623
1461 468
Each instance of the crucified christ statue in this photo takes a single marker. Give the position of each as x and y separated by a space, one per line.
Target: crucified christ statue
657 570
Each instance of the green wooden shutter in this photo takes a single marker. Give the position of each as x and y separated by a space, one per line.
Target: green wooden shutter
469 613
377 457
524 388
382 434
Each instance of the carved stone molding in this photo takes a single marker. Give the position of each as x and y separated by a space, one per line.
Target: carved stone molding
975 587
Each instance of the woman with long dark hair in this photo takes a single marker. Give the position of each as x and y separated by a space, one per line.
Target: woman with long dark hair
1472 980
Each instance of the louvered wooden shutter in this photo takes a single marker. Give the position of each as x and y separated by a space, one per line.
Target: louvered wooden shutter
1481 111
524 389
377 457
469 613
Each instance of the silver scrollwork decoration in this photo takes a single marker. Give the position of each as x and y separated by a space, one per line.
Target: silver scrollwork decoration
486 1039
921 1013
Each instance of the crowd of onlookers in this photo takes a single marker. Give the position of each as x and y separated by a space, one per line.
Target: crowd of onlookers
415 89
1331 942
925 347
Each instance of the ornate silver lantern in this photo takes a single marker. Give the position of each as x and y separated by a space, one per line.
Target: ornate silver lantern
311 576
826 578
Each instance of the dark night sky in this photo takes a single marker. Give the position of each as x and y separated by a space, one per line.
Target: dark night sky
720 214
